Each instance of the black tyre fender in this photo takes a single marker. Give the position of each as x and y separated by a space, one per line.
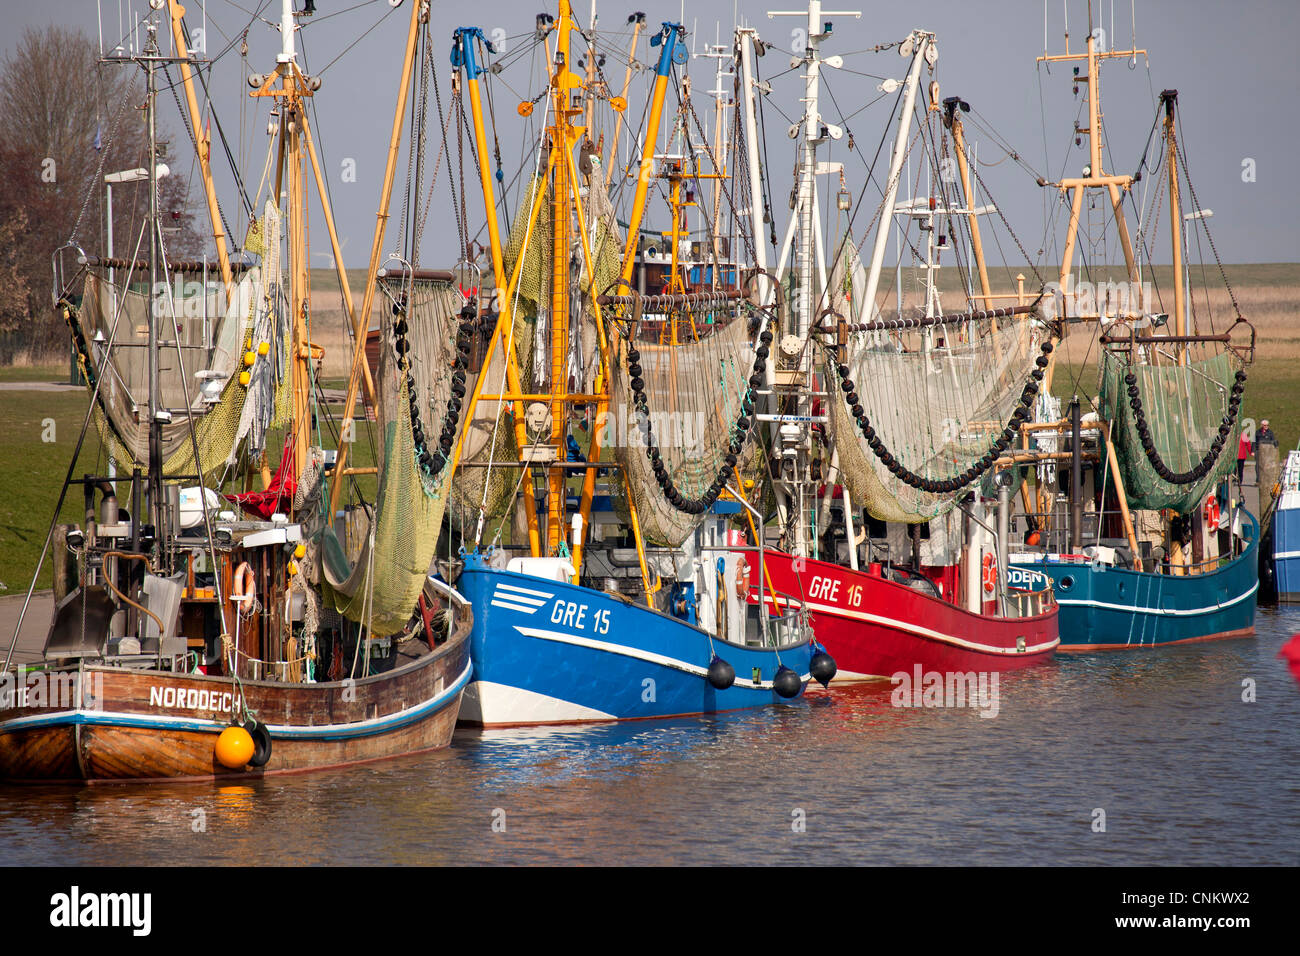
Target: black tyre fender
261 743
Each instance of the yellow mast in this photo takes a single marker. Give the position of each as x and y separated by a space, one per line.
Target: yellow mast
638 21
293 90
361 320
1093 177
567 102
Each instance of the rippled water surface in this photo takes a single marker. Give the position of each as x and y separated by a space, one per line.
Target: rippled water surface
1186 772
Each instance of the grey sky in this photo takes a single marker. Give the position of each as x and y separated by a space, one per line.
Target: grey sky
1233 64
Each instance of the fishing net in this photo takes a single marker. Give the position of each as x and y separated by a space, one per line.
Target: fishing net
381 587
1183 406
936 395
215 332
695 367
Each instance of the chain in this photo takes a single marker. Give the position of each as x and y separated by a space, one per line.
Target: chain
726 192
1016 239
1201 468
1023 412
103 158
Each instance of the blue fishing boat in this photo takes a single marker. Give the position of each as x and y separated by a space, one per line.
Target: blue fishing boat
1105 607
546 651
1285 551
618 590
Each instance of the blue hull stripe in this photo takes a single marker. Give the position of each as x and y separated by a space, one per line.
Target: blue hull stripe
362 728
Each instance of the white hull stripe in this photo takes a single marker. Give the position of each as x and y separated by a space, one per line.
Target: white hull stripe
510 605
540 596
360 728
1285 555
925 631
518 598
1168 612
648 656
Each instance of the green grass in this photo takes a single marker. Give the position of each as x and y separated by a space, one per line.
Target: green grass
34 373
32 474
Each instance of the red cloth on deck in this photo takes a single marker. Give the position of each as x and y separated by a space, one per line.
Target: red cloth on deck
279 494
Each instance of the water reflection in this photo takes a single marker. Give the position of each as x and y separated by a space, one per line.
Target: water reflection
1187 771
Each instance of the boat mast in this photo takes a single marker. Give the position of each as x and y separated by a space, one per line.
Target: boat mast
566 201
921 43
155 482
1170 99
638 23
360 370
814 133
1093 176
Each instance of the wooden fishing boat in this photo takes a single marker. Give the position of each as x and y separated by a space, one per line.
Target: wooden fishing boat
188 642
103 720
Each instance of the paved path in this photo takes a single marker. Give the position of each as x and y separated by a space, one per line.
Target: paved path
31 642
40 387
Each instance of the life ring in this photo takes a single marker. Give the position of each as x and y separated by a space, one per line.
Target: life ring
742 578
244 587
990 573
261 743
1211 511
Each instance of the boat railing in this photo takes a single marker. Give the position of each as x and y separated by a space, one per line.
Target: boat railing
1024 602
787 617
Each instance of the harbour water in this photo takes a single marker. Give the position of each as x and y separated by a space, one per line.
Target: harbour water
1185 771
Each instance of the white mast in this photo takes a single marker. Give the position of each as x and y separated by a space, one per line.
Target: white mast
923 50
814 133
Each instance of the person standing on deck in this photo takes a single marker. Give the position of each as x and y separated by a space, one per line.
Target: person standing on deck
1243 452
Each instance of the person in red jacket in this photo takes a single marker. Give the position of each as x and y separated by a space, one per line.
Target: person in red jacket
1243 452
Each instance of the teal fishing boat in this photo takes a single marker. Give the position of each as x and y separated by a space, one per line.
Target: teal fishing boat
1134 514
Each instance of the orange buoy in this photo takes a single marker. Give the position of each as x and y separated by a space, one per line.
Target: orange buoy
234 748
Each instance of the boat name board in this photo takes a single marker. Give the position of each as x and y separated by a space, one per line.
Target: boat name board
192 698
1027 579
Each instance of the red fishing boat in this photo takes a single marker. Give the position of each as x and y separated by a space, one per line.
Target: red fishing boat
891 460
880 621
